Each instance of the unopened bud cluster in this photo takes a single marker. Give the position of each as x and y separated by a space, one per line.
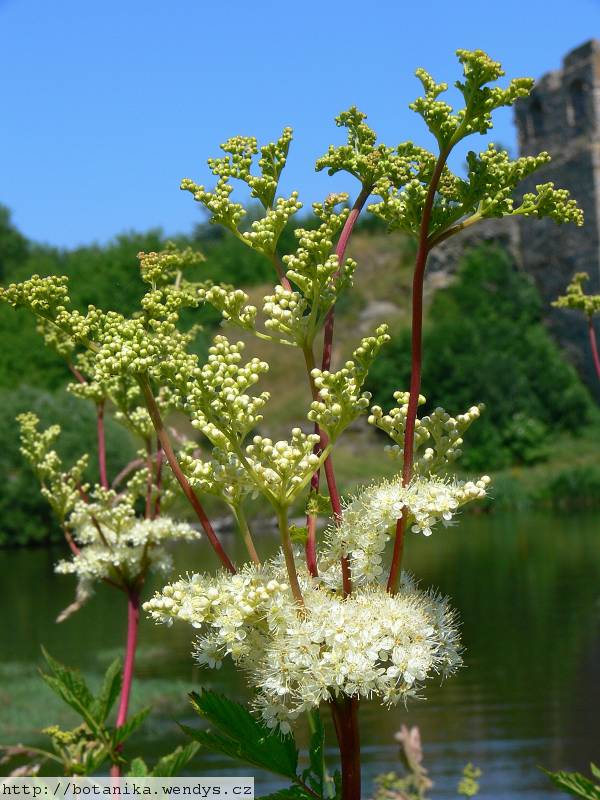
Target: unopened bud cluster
340 399
438 436
576 298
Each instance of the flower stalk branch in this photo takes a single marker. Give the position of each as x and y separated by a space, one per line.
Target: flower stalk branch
133 618
190 494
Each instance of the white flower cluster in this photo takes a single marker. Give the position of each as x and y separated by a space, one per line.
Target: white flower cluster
370 644
438 436
116 544
371 515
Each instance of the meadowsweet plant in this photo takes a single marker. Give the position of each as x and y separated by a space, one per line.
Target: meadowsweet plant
331 620
117 532
588 305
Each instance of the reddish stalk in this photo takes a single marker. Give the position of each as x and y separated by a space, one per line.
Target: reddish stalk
340 251
594 346
127 470
279 269
78 376
70 541
310 548
334 494
190 494
345 719
416 362
101 444
133 616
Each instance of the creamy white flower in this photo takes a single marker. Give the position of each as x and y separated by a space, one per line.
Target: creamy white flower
370 644
121 549
371 515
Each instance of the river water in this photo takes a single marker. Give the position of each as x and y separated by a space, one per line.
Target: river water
528 592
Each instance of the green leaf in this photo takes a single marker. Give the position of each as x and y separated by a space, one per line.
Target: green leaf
594 770
318 504
171 764
111 686
70 678
576 784
298 533
131 725
69 685
241 736
138 769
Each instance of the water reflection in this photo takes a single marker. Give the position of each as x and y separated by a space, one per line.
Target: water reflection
528 592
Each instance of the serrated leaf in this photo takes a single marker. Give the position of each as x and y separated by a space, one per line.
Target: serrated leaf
111 686
171 764
138 769
131 725
241 736
70 687
71 679
575 784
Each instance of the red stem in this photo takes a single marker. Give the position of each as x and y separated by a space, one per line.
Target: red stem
133 617
279 269
127 470
70 541
394 578
594 346
340 251
334 495
310 548
101 444
345 719
416 361
181 479
78 376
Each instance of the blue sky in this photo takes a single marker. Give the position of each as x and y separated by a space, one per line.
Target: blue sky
106 106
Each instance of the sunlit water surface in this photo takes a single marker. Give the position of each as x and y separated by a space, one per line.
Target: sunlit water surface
527 589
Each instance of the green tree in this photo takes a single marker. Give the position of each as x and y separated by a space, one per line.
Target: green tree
485 340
